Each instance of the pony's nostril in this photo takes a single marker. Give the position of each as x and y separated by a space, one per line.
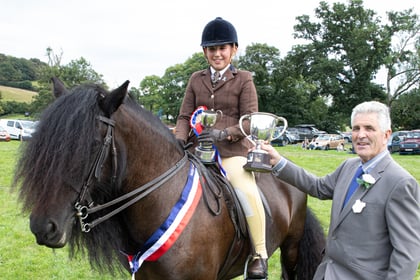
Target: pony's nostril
50 229
46 232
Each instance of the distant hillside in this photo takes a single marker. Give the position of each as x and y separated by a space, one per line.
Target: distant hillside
13 69
16 94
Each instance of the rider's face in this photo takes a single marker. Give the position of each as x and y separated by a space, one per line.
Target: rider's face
220 56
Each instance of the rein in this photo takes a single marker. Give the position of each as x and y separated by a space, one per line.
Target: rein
83 211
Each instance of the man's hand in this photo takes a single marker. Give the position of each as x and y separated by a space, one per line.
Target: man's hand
274 155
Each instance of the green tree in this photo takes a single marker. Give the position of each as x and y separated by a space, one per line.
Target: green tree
164 95
149 95
14 69
1 104
76 72
80 71
25 69
14 107
320 81
262 60
347 48
403 62
8 72
295 98
406 111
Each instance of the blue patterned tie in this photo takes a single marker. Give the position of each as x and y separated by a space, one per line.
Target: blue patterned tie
353 185
215 78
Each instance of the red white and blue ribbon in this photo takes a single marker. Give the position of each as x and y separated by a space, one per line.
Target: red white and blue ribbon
197 127
218 159
195 122
164 237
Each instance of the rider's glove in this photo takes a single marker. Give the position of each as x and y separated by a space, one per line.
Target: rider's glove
216 134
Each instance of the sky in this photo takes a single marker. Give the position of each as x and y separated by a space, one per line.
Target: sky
131 39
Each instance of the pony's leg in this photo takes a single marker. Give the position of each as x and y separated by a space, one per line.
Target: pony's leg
289 256
301 254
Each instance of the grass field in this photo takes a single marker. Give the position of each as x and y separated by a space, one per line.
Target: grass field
16 94
22 258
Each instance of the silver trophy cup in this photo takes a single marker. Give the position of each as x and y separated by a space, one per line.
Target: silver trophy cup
262 128
205 150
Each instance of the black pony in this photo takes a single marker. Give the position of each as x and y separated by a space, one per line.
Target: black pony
103 174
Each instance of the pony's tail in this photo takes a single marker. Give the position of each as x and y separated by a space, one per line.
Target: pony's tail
310 248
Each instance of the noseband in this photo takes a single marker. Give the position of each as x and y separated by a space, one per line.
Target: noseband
85 205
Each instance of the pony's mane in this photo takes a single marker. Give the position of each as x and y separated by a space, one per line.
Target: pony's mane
63 147
152 121
68 125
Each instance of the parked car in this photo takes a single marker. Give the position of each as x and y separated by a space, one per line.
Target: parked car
402 133
294 131
346 136
411 143
327 142
283 140
307 131
394 142
18 129
4 135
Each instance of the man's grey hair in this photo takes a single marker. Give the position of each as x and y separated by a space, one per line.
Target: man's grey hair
381 110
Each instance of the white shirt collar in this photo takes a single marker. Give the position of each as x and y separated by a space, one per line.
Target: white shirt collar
374 161
221 71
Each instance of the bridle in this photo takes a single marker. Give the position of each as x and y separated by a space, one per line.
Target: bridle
85 205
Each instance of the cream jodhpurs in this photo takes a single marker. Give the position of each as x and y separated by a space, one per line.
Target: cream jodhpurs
247 191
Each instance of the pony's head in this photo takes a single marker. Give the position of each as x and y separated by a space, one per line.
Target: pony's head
54 164
57 163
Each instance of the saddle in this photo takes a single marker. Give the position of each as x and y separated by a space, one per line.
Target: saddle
215 188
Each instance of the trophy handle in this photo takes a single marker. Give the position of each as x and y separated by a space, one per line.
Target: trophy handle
246 117
284 127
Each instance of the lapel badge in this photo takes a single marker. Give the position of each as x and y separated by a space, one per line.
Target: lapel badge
358 206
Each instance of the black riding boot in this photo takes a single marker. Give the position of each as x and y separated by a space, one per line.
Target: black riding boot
257 268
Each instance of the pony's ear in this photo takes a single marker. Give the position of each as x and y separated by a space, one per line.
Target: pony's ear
114 99
58 87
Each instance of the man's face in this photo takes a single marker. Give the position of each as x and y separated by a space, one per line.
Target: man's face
368 139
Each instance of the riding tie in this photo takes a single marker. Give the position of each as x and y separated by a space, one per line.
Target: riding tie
353 185
215 79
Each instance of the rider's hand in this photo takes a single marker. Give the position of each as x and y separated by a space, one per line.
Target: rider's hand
218 135
215 134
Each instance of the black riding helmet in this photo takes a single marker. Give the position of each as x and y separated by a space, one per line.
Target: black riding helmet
219 32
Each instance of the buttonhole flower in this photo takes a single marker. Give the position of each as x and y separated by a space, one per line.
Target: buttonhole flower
366 181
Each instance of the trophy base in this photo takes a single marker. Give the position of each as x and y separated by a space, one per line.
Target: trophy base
258 162
205 155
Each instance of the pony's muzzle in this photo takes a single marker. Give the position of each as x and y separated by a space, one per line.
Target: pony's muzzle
47 232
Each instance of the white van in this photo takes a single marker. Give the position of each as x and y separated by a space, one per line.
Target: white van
18 129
